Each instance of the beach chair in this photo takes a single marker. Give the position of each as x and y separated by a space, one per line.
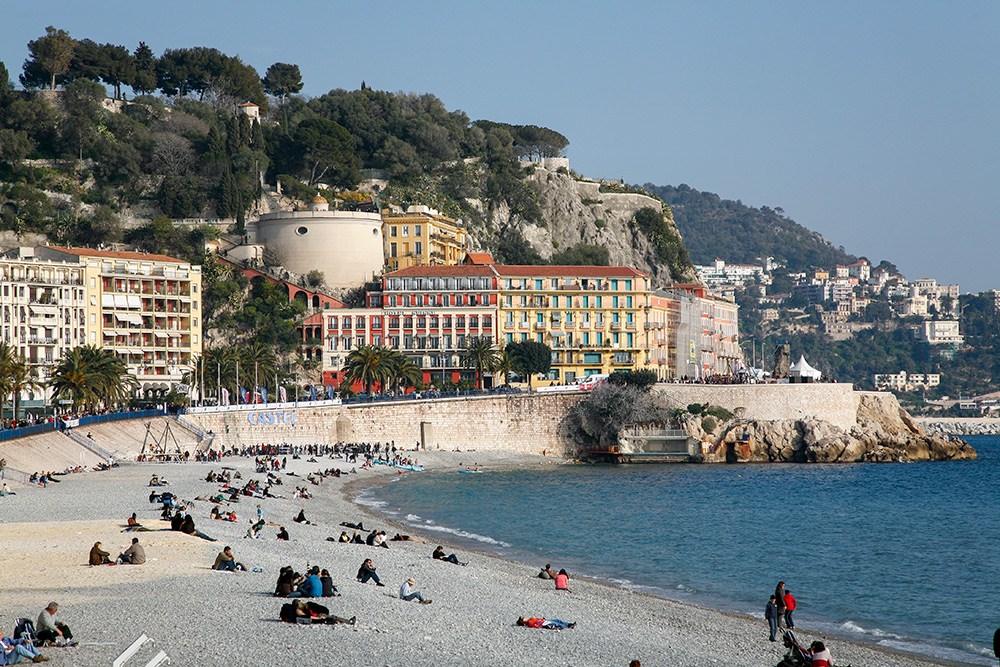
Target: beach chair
24 628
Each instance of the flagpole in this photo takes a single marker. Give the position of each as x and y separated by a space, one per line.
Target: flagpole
218 383
256 382
238 392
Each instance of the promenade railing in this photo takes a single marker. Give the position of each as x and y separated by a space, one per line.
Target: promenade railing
24 431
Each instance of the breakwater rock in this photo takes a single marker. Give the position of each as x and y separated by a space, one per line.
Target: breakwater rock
960 425
882 432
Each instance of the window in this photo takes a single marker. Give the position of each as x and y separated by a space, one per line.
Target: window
408 342
392 249
460 322
600 338
406 230
446 341
614 285
554 283
333 323
487 321
539 315
407 322
392 231
421 322
628 302
361 323
447 322
194 339
539 337
393 322
417 230
524 301
629 339
586 302
538 284
614 318
376 322
394 342
347 323
194 288
510 338
418 248
599 301
473 321
376 340
614 338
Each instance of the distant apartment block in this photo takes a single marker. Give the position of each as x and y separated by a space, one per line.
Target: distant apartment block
719 273
902 381
941 334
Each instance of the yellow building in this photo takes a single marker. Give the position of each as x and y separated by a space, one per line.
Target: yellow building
146 308
593 317
421 237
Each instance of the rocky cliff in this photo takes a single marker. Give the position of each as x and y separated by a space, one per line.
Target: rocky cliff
882 432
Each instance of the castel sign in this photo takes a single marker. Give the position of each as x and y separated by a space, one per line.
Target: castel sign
272 418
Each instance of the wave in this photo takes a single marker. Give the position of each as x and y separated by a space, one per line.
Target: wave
852 627
485 539
412 517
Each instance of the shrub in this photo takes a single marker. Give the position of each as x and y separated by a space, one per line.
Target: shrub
600 224
719 412
708 423
694 408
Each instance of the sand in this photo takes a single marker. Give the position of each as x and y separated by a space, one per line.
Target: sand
203 617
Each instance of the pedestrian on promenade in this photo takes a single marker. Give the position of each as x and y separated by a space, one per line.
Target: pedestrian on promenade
771 614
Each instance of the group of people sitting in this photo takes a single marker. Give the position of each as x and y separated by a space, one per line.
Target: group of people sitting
561 578
135 554
42 478
158 481
223 515
315 583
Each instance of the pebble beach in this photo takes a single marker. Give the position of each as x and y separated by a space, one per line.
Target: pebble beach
202 617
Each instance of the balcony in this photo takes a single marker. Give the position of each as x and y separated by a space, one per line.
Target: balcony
630 326
616 326
541 326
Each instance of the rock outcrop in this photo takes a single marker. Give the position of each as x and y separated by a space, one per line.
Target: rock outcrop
884 432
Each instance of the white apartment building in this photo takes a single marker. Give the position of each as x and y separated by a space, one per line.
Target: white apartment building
720 273
939 332
902 381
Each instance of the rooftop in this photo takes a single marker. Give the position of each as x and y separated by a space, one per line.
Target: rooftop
116 254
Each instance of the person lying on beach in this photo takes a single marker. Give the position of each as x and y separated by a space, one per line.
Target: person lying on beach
12 650
99 556
547 623
547 572
407 592
406 538
227 561
450 558
355 526
367 571
562 581
134 555
304 612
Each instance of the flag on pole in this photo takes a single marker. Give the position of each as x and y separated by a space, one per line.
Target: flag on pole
282 395
312 392
225 396
330 392
263 393
244 395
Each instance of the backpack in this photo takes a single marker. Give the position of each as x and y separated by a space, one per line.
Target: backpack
287 612
24 629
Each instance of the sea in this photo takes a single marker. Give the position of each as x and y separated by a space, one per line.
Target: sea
902 555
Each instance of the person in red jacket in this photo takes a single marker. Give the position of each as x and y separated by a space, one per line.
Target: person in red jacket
790 604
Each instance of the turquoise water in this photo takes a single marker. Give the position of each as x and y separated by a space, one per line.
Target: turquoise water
904 555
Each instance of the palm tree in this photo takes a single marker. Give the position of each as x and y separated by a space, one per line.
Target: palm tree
367 364
8 360
505 364
90 376
480 354
21 378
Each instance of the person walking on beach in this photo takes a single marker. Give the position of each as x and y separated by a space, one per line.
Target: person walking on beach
367 571
779 599
790 605
771 614
408 592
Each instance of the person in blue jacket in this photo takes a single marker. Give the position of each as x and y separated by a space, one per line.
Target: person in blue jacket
312 587
771 614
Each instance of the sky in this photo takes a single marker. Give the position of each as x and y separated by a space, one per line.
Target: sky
873 123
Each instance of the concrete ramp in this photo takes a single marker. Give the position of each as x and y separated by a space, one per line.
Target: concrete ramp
125 438
50 451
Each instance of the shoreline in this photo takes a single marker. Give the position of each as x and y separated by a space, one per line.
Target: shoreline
355 488
470 621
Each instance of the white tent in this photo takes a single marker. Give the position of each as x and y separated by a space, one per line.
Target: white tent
802 370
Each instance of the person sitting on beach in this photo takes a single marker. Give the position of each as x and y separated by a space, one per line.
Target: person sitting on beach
367 571
134 555
227 561
370 540
216 511
312 587
187 526
283 534
357 539
380 540
344 537
99 556
302 611
562 581
820 655
253 532
5 490
134 525
547 572
286 582
301 518
50 631
329 590
439 555
12 650
177 520
408 592
547 623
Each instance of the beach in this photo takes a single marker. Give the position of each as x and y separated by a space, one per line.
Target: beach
199 616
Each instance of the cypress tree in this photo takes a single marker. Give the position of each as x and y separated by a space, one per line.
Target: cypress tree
228 195
232 135
216 145
258 137
246 130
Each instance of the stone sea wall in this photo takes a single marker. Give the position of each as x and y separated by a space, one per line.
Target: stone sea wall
520 423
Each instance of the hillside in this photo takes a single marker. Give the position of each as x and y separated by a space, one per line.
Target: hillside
713 227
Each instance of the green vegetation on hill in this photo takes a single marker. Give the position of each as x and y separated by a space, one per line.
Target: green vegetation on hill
713 227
